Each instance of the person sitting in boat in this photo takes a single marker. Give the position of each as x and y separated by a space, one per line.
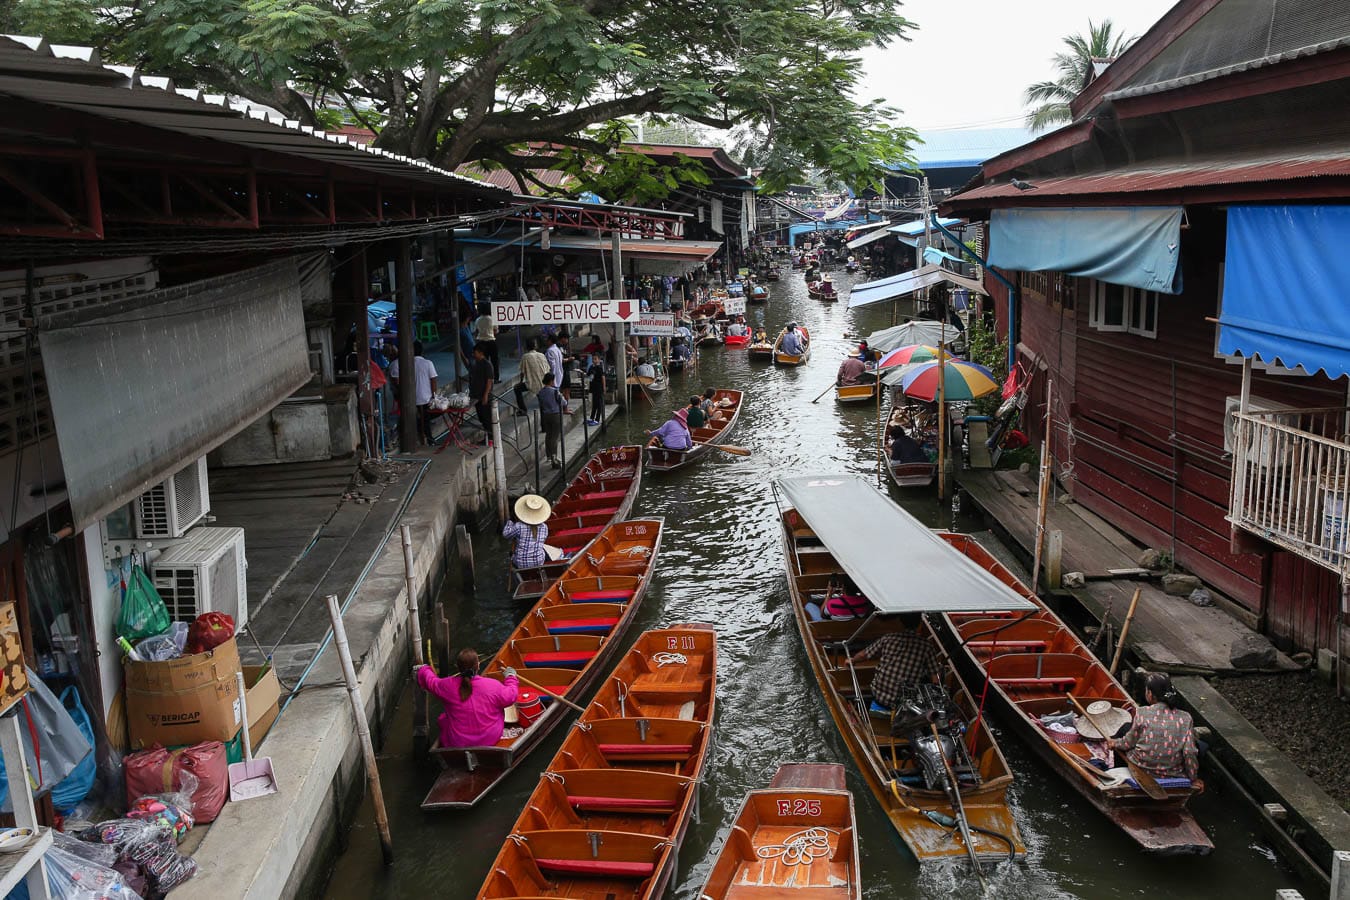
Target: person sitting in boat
905 657
1162 739
645 369
845 601
904 449
475 707
853 371
864 352
674 435
695 416
761 336
528 530
738 328
680 352
792 341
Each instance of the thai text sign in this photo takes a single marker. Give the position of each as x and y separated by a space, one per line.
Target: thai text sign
564 312
654 325
735 306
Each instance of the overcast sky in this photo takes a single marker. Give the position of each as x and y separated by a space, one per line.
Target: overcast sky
969 62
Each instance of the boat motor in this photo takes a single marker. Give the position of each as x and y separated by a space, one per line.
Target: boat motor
916 715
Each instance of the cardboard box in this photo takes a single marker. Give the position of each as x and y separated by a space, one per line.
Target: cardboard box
263 693
13 678
183 701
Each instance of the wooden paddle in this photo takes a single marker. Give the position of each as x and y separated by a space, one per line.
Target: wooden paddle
539 687
824 392
1147 783
730 448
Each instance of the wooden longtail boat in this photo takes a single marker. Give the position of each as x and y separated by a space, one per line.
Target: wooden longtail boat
611 809
602 492
659 459
795 839
911 474
822 290
856 393
1034 664
760 351
792 359
758 294
922 427
564 643
899 758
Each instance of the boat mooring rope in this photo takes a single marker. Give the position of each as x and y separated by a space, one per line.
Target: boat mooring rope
804 846
670 659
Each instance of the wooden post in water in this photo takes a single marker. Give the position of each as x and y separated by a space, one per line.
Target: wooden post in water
465 547
415 635
499 463
362 728
1054 559
1043 497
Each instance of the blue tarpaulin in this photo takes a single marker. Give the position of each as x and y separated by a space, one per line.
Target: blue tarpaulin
1285 270
1135 246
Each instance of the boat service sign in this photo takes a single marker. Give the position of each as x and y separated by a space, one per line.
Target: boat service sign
654 325
564 312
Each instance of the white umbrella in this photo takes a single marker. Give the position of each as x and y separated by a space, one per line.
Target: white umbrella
916 332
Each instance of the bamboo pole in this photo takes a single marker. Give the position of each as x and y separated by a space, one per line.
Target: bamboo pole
1043 494
1124 632
499 464
415 635
362 728
880 433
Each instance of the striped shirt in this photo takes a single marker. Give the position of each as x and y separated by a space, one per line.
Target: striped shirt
529 543
1162 742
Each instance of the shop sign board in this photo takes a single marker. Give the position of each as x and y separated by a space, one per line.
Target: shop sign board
564 312
655 325
735 306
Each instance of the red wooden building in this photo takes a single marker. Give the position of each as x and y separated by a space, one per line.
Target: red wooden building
1213 110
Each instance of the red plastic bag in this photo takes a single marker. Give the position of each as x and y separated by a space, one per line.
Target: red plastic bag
208 631
159 771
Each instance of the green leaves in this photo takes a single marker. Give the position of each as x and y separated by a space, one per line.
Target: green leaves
1050 99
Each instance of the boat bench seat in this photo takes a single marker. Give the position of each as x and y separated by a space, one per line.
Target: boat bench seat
567 659
651 805
608 495
1064 681
596 868
602 596
988 646
646 752
597 625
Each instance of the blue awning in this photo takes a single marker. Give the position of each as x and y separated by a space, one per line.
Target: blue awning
1285 270
907 283
912 229
936 256
1135 246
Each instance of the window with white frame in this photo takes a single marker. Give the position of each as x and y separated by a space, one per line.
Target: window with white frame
1116 307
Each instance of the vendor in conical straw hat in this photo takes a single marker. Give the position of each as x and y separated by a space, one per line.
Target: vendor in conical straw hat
529 531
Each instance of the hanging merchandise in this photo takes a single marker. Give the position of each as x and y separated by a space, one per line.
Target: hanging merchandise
208 631
143 612
75 786
53 742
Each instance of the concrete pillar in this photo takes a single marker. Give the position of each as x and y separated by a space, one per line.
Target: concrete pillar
407 372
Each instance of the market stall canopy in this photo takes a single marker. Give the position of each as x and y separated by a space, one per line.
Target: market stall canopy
876 233
1136 246
915 228
900 564
938 257
919 331
900 285
1285 269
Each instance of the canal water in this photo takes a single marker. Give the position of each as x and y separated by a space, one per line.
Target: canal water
720 562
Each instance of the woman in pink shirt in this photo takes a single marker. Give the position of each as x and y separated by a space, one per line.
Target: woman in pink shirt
474 706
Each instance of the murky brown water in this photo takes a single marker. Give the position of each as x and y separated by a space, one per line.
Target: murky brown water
720 562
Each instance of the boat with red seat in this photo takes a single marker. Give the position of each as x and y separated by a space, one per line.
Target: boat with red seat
611 810
563 644
726 409
1034 663
603 491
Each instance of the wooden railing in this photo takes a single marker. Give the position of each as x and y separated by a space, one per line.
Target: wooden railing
1291 481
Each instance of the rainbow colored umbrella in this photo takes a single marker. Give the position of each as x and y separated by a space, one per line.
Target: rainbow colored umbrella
914 353
963 381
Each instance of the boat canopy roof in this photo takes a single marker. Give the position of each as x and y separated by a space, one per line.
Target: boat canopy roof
900 564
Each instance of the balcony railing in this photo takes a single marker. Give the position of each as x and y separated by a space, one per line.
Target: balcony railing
1291 481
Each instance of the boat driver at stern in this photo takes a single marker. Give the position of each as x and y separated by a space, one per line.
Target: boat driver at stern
905 657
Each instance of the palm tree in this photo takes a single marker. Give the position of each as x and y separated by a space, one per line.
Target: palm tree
1051 98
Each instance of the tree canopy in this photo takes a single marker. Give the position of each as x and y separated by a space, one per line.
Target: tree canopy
458 81
1051 98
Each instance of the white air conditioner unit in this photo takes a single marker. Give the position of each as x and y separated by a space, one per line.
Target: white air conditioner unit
174 505
205 572
1261 453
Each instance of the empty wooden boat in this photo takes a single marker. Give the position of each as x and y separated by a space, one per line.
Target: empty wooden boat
1034 663
609 813
728 404
908 767
604 491
792 359
564 644
797 838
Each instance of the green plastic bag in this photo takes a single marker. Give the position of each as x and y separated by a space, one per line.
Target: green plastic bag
143 612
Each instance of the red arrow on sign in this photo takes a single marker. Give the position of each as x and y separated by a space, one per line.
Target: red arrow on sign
625 310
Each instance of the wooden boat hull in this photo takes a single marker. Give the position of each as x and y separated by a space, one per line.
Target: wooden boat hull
760 352
608 815
856 393
582 511
1057 663
659 459
758 297
912 475
543 646
985 804
737 341
792 359
801 797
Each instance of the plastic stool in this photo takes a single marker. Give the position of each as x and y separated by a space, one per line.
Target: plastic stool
427 331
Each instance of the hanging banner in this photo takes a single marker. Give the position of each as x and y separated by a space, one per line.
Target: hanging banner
735 306
654 325
564 312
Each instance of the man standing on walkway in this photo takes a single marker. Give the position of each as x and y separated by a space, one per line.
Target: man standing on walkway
557 360
480 389
597 386
551 409
533 367
424 374
485 336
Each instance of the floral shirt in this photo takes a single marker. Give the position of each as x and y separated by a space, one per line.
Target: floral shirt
1162 742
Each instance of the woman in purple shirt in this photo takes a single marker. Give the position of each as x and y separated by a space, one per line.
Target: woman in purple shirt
674 435
475 707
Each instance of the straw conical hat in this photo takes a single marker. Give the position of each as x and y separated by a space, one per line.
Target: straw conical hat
532 509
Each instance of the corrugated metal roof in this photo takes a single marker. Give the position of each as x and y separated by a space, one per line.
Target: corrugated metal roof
1158 87
75 78
502 178
1157 177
